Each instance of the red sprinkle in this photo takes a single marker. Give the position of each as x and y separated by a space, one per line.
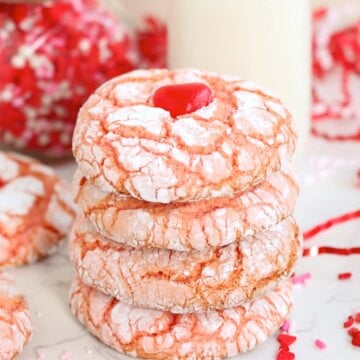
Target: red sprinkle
152 43
357 317
286 326
300 279
319 13
356 339
330 223
345 276
182 99
314 250
320 344
349 322
285 339
353 331
285 355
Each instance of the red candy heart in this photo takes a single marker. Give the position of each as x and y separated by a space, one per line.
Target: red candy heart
182 98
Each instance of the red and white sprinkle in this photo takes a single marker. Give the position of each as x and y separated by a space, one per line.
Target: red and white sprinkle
336 57
53 55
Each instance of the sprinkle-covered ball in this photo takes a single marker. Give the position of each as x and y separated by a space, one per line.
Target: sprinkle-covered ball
53 55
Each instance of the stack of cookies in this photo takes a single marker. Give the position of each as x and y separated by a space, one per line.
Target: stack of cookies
186 241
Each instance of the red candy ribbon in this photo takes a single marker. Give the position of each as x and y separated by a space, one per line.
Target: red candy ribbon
314 251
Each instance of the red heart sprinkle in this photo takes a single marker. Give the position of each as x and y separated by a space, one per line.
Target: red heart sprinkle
285 355
182 99
285 339
349 322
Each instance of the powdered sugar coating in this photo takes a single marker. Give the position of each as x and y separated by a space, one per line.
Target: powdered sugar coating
188 225
186 282
36 211
239 139
153 334
15 325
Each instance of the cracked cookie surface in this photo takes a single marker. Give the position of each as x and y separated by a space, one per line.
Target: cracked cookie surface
36 210
153 334
128 146
185 226
183 282
15 325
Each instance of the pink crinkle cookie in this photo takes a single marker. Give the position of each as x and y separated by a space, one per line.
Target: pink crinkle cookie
153 334
183 282
184 226
15 325
36 210
148 135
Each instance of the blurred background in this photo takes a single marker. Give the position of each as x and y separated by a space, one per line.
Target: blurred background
305 51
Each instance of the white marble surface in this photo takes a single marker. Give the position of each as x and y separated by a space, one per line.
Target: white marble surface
320 308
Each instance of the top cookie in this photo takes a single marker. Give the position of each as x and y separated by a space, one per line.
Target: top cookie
215 139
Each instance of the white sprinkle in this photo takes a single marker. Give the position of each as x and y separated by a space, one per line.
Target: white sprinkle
65 138
29 112
27 24
6 95
25 50
18 61
44 139
85 45
46 100
60 111
88 350
9 26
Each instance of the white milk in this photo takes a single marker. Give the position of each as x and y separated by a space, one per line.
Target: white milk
331 2
138 9
267 41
